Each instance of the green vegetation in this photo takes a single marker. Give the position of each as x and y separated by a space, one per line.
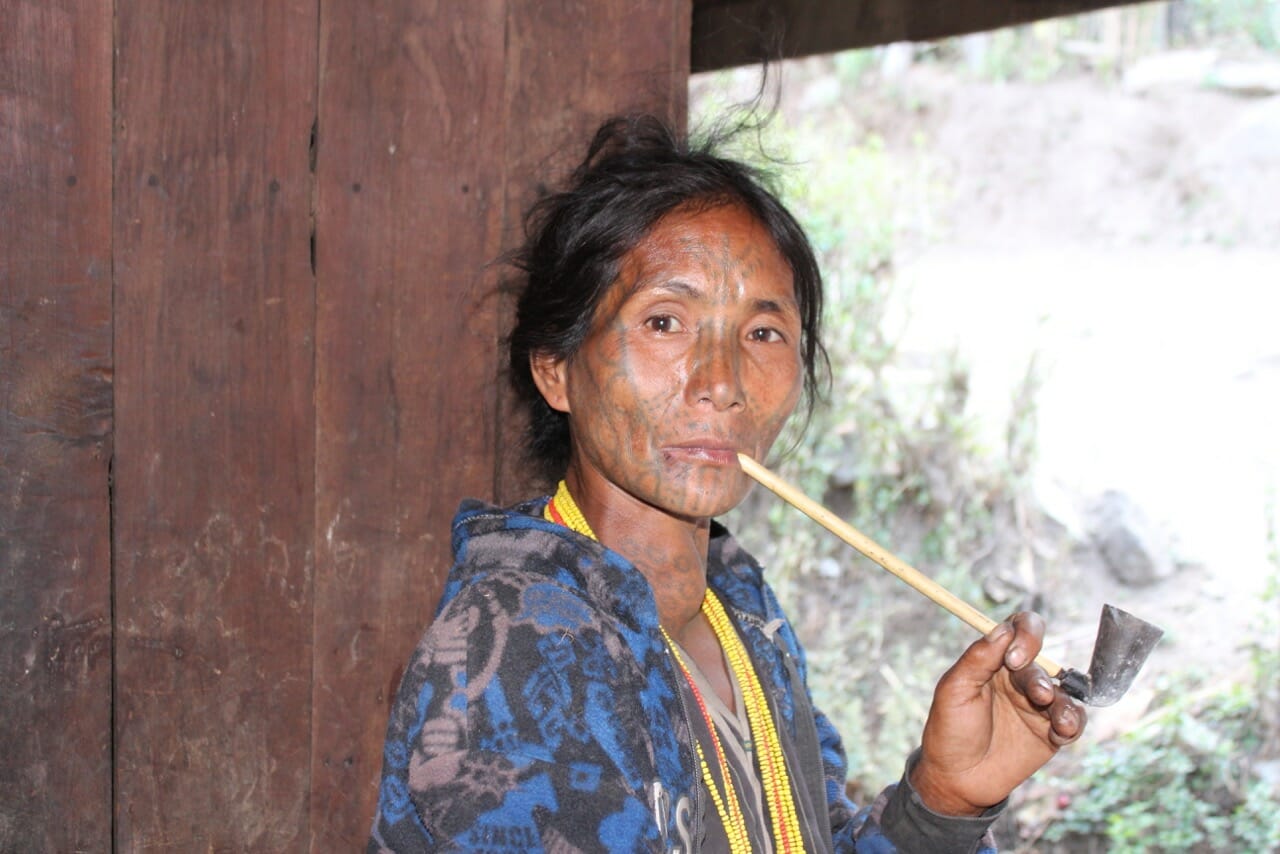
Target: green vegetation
1190 776
1181 781
1240 23
1103 42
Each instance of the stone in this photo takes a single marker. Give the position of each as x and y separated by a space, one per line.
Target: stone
1256 78
1177 68
1133 549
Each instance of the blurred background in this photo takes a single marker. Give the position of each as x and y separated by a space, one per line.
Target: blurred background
1053 260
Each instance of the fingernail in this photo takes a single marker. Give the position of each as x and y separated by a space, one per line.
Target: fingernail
1015 657
1000 630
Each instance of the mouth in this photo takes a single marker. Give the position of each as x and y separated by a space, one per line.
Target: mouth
714 451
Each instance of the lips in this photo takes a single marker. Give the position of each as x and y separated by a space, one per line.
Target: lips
708 450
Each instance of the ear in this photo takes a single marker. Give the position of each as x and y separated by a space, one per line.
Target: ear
550 375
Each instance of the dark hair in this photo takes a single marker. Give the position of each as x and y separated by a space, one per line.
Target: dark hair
636 171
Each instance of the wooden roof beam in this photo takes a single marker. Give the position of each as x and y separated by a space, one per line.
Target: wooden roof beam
729 33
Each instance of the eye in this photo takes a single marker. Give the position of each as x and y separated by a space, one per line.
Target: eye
766 335
663 323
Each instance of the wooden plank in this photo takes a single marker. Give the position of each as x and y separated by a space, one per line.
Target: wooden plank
55 425
214 491
570 66
740 32
427 131
409 179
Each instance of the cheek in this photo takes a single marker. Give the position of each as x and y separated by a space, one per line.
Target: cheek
779 394
646 394
770 429
617 411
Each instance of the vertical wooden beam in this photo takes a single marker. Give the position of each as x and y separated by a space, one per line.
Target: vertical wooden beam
409 209
214 487
251 692
55 425
436 125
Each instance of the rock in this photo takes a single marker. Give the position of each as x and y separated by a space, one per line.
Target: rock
1133 549
1195 68
1177 68
1257 78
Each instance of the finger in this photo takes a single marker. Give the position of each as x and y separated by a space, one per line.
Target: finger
1012 644
1028 636
1034 683
982 660
1067 719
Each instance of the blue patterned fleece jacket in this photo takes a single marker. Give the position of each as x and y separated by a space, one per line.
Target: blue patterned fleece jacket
542 711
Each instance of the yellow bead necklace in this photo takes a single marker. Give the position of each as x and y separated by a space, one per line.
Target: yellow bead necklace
563 510
774 777
728 805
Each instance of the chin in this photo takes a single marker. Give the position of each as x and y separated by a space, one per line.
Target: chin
709 496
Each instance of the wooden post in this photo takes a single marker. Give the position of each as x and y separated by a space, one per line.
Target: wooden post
432 139
409 204
284 217
215 424
55 426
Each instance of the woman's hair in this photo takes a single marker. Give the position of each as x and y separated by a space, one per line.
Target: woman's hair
637 170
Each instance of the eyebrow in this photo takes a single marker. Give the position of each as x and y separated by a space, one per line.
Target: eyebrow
671 285
675 286
771 306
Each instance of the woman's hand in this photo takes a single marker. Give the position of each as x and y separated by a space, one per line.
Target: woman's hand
996 718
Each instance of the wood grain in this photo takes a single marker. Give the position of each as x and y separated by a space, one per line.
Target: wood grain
409 190
214 497
742 32
432 140
55 426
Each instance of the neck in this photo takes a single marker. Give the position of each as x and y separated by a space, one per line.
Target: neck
669 551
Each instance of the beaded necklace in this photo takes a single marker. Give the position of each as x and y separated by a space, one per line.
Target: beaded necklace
728 805
772 763
775 779
563 510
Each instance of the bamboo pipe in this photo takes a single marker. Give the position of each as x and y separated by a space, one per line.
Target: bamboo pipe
913 577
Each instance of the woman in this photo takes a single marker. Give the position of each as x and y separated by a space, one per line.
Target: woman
608 669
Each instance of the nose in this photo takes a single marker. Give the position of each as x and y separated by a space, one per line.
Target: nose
715 376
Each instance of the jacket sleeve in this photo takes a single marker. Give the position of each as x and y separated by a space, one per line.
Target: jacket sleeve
505 735
898 821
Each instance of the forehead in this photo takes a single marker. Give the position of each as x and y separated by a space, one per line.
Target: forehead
725 244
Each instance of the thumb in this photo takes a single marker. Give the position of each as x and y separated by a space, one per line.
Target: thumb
985 657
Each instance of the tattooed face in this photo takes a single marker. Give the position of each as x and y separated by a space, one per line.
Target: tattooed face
693 355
